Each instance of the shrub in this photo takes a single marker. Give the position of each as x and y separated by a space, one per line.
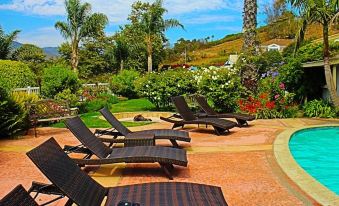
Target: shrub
159 87
67 95
93 105
109 98
123 83
99 102
221 86
11 116
272 101
22 98
57 79
319 108
15 74
292 74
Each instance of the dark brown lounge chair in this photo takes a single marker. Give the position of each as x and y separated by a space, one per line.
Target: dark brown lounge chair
242 119
82 190
121 130
165 156
220 125
18 197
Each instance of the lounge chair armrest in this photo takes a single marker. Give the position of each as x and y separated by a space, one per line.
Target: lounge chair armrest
131 141
77 149
84 162
43 188
100 132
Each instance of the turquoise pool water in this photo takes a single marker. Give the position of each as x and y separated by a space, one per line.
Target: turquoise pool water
317 151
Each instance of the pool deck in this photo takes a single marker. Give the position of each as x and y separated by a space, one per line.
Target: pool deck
242 163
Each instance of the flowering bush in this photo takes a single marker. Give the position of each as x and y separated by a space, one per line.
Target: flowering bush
159 87
273 101
220 85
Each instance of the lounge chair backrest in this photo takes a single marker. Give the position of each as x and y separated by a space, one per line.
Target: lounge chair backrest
18 197
183 109
87 138
66 175
114 122
202 101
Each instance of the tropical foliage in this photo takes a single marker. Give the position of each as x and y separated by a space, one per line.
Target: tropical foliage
6 41
11 115
80 24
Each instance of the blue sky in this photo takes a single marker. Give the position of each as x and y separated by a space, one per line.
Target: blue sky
201 18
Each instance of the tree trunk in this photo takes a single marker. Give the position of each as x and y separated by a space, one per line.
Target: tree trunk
149 54
149 62
250 44
75 57
121 65
327 68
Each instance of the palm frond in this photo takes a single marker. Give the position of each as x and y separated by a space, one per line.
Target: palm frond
64 29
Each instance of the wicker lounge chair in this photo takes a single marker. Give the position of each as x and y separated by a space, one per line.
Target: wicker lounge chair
121 130
18 197
220 125
82 190
242 119
165 156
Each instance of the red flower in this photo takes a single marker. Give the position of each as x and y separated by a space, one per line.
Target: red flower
270 105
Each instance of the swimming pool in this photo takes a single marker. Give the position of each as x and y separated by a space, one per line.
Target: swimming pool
317 151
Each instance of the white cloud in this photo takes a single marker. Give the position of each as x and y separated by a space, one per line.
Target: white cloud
43 37
117 10
205 19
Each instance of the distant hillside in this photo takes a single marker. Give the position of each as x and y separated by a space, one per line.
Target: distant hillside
218 52
49 51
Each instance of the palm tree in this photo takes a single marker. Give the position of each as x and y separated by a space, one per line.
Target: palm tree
6 42
153 24
249 74
250 44
80 24
323 12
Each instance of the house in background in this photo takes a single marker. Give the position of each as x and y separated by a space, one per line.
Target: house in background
275 45
315 73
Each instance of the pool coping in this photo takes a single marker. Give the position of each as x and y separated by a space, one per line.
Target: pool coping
299 176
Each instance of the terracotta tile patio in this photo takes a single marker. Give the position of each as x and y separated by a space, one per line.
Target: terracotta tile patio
242 163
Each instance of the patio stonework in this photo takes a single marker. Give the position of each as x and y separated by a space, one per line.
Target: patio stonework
242 163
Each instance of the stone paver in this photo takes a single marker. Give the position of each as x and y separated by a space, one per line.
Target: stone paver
241 163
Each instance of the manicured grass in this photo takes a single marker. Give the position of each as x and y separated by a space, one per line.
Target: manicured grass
92 120
133 105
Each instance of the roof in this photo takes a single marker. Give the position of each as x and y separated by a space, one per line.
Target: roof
320 63
280 42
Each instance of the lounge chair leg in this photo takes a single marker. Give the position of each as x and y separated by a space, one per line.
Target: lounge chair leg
174 143
241 122
166 168
175 125
69 203
219 131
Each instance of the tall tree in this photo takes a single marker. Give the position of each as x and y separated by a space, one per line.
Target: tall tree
249 26
32 55
6 41
322 12
121 51
150 17
80 24
249 71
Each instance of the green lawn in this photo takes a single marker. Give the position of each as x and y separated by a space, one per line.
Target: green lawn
92 119
133 105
